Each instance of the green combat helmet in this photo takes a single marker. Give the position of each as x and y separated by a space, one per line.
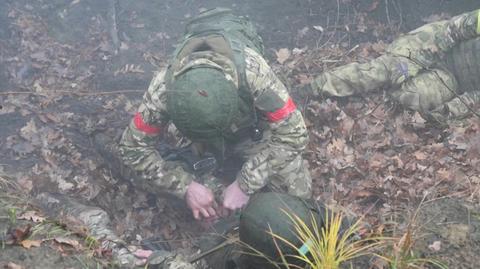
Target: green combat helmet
268 212
202 103
265 212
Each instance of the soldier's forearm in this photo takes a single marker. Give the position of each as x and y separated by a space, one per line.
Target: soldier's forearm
152 173
287 141
254 173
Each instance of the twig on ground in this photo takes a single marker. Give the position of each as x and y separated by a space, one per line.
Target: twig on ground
114 24
354 167
387 12
337 18
350 50
456 194
398 8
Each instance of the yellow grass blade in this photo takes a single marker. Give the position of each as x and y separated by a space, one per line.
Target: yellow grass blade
326 248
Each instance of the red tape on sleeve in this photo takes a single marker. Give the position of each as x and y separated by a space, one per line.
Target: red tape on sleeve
283 112
144 127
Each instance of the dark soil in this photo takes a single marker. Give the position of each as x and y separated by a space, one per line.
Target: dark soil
43 257
456 225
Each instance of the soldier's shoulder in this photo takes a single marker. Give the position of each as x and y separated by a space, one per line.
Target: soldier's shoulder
158 77
252 57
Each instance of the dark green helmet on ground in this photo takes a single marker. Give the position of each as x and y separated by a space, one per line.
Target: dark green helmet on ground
202 103
265 212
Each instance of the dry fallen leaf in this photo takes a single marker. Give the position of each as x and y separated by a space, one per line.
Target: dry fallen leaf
336 146
318 28
299 51
362 194
444 174
418 120
68 241
346 123
282 55
435 246
373 6
379 47
377 161
30 132
18 234
25 183
420 155
74 2
30 243
303 79
31 215
12 265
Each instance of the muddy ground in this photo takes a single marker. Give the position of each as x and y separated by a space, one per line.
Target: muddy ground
71 69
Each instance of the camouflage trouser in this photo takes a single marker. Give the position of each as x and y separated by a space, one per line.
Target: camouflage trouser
410 69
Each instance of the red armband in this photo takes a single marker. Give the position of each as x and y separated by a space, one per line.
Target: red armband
283 112
144 127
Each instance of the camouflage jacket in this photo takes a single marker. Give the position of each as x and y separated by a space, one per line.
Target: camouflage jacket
286 125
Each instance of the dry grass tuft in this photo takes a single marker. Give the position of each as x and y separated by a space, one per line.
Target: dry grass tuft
324 247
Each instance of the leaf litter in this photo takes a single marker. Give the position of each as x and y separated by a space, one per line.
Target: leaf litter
370 150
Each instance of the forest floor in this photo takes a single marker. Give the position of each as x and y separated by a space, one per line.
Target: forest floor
72 68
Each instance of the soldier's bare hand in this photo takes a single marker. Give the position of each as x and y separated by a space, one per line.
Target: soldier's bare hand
234 198
142 255
201 201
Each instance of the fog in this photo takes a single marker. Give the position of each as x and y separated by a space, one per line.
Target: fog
71 69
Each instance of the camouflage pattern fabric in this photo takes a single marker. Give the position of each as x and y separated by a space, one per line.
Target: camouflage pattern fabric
274 162
95 219
169 260
414 69
138 150
178 263
98 223
280 163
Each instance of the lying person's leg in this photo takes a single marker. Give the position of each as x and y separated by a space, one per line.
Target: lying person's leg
428 43
460 28
357 78
427 90
457 108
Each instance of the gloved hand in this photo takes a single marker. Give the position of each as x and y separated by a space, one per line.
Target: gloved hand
200 200
234 198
